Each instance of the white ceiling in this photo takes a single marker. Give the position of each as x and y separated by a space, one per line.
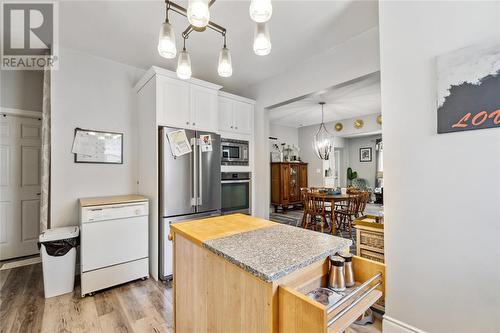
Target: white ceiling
359 97
127 32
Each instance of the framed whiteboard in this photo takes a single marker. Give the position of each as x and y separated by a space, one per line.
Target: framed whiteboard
90 146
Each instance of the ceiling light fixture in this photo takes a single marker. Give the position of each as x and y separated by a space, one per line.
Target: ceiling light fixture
261 10
184 64
225 68
166 40
262 40
198 13
323 140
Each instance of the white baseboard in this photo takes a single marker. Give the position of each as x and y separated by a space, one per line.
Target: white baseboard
391 325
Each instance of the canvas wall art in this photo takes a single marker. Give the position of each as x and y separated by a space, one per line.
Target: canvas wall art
469 88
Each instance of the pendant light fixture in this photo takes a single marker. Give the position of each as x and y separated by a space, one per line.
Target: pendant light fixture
262 40
184 64
198 13
323 140
166 40
261 10
225 68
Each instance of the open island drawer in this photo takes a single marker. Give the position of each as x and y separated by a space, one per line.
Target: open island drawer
299 313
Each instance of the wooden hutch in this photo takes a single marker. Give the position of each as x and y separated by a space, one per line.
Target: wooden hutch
287 178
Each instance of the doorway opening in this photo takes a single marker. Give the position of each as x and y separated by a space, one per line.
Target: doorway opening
352 115
20 183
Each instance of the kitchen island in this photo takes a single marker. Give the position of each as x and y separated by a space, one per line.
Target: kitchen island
237 273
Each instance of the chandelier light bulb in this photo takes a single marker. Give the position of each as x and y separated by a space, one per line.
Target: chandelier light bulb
166 41
198 13
184 65
262 40
261 10
225 68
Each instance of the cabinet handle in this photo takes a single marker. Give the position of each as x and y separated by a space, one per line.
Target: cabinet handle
170 237
187 122
194 124
236 127
231 126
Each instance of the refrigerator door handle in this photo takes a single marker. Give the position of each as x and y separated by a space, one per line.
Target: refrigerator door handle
200 179
194 170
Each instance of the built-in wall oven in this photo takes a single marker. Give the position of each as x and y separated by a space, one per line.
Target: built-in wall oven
234 152
236 192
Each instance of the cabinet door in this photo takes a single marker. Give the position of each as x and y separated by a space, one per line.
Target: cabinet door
294 189
302 175
173 102
275 183
226 114
204 102
285 179
243 117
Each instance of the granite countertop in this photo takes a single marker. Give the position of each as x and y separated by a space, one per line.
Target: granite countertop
276 251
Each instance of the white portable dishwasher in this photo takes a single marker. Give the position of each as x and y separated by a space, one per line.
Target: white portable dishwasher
113 242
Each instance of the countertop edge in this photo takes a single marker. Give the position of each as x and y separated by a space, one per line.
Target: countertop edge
278 275
201 242
111 200
198 239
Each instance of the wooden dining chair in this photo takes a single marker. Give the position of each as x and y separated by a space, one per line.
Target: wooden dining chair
348 214
316 212
315 189
303 197
365 196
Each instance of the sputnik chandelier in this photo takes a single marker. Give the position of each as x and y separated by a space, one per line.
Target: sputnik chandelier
198 15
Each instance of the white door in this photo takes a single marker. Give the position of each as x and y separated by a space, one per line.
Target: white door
20 148
173 102
226 114
204 102
243 117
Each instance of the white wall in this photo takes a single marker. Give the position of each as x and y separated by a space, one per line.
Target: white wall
356 57
365 170
21 89
284 134
91 93
370 125
315 166
442 192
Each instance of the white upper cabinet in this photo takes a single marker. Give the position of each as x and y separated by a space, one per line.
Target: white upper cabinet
242 117
189 104
226 114
173 102
203 113
235 115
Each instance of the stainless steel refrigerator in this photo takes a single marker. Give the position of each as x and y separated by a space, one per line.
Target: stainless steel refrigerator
190 187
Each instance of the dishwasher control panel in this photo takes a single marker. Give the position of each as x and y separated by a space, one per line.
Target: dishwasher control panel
112 212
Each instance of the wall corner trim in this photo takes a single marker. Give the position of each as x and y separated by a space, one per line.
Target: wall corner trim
391 325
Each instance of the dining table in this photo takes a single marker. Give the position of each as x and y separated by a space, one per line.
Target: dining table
332 198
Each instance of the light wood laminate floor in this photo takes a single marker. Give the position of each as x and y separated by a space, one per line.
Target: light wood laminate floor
139 306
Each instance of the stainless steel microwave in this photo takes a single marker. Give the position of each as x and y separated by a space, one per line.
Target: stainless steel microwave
234 152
